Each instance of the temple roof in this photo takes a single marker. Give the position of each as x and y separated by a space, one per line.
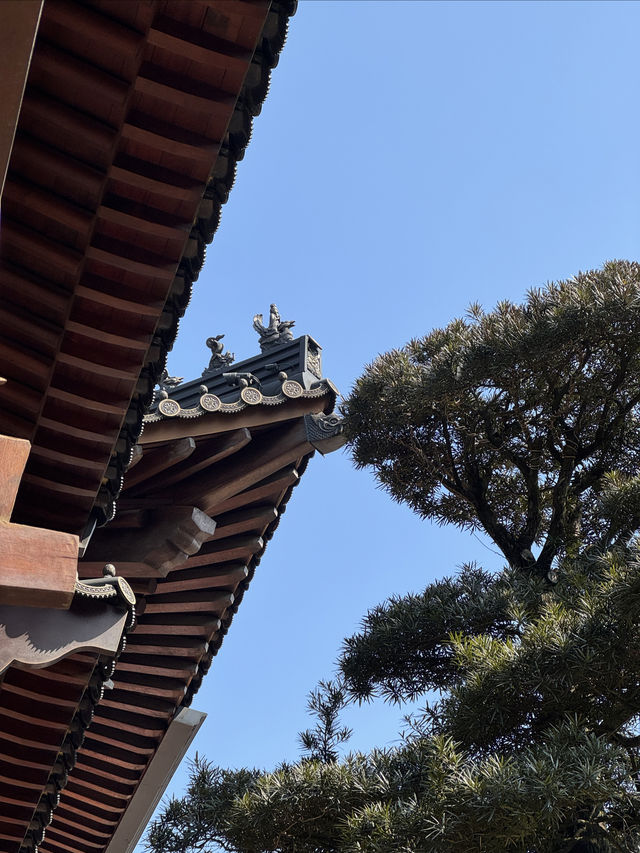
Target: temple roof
133 119
200 503
132 122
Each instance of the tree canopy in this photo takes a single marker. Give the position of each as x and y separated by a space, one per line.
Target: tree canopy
524 423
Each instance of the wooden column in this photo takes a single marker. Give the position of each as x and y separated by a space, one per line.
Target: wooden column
38 568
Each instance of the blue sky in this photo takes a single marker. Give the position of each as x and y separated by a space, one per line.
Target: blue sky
411 158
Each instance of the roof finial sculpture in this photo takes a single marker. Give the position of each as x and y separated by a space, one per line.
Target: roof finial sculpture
168 383
277 332
219 359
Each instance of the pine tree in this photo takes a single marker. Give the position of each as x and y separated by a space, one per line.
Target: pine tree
523 423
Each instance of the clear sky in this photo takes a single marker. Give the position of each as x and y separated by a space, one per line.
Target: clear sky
411 158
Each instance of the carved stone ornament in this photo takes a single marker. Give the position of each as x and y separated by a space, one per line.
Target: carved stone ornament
241 379
168 383
248 395
101 611
210 402
325 432
277 332
169 408
292 389
314 361
251 396
219 359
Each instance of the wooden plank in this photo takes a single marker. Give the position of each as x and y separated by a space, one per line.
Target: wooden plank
58 488
266 455
84 816
123 341
269 488
105 437
160 628
37 567
13 458
234 548
39 296
180 621
49 455
171 667
170 536
155 179
189 612
22 198
242 520
96 367
137 743
199 149
155 461
61 174
79 26
204 577
21 324
207 454
198 46
103 757
183 91
37 254
144 225
190 648
81 401
108 300
127 704
163 270
75 133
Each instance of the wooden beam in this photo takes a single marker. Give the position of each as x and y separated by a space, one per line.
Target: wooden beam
266 455
206 455
203 577
170 536
198 46
108 300
243 520
155 461
271 488
155 179
235 548
189 612
13 458
199 149
37 567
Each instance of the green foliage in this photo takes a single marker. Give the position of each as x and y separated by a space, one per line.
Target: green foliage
323 741
508 421
404 649
523 422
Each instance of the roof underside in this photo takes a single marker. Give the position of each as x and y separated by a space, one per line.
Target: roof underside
242 478
132 122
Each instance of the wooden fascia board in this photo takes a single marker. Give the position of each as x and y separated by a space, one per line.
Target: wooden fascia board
214 423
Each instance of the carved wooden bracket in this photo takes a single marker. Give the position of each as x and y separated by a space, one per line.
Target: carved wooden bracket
169 537
30 636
